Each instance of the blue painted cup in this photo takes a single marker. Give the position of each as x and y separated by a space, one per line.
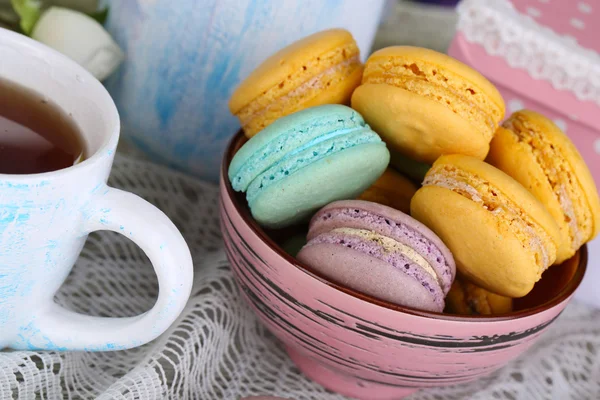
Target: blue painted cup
45 219
185 58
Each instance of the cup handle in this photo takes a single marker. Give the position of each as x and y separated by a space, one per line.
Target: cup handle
57 328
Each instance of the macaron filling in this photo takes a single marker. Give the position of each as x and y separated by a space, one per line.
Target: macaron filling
561 178
399 232
530 233
389 245
389 251
309 154
439 85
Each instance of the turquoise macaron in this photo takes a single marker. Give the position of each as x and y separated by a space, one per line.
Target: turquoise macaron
306 160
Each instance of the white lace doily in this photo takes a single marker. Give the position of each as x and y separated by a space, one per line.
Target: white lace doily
218 349
527 45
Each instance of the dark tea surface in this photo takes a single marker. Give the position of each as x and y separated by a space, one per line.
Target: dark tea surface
35 135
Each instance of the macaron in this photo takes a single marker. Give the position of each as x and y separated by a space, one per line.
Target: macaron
501 236
381 252
306 160
323 68
425 104
535 152
391 189
468 299
414 170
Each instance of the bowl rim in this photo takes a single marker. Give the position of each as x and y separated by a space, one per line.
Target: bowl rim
244 213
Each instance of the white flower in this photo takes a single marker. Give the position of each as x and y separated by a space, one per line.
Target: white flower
81 38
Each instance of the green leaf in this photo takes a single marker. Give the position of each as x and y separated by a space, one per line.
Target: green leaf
29 11
100 15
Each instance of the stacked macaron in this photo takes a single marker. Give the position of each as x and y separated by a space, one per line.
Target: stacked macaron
323 68
381 251
426 104
534 151
305 160
416 183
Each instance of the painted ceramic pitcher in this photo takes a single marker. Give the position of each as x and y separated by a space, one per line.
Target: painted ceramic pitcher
185 58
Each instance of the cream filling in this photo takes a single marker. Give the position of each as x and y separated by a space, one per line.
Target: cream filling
567 208
535 243
390 245
316 82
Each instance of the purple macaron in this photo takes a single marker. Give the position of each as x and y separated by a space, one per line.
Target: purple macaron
381 252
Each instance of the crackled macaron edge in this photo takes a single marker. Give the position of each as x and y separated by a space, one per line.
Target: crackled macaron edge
501 236
323 68
381 236
425 104
282 169
534 151
467 298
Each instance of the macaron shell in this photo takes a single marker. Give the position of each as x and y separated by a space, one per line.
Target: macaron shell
486 252
516 159
285 135
582 173
391 189
339 92
368 275
509 187
499 304
538 183
468 299
415 125
446 268
322 68
347 174
286 62
462 77
324 147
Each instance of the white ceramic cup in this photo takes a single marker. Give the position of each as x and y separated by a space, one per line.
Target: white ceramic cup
45 219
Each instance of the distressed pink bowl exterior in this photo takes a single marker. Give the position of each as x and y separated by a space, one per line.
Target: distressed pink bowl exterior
359 346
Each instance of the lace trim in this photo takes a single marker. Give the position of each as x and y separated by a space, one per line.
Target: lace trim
527 45
217 349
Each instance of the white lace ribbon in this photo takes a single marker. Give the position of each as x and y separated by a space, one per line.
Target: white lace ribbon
527 45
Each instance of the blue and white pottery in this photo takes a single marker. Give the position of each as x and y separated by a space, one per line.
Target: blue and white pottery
184 58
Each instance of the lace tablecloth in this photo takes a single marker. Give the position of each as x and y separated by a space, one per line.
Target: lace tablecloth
217 349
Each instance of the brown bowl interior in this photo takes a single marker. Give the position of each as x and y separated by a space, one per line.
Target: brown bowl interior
557 283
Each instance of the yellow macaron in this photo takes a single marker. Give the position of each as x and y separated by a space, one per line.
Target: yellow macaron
534 151
323 68
425 104
391 189
501 236
469 299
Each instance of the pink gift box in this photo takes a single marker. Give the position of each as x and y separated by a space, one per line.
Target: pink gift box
543 55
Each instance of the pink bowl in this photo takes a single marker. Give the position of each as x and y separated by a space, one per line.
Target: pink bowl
365 348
